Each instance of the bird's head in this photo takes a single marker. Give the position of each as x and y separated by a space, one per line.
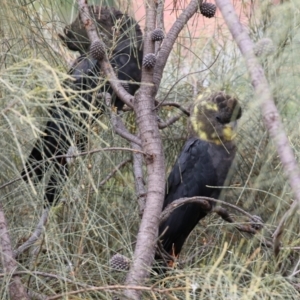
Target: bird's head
75 36
213 118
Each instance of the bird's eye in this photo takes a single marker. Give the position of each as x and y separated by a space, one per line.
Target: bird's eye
218 119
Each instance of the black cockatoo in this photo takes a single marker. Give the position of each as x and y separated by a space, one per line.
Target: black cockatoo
123 39
204 162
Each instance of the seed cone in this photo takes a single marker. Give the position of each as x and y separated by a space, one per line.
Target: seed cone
97 50
208 10
149 60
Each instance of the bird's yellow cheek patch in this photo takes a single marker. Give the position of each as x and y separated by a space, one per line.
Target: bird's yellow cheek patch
205 106
210 106
203 136
198 126
228 133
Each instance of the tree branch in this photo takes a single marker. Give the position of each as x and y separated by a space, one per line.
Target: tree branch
117 123
105 64
139 179
204 203
136 144
160 22
151 141
175 104
114 171
251 227
170 39
122 131
170 121
270 113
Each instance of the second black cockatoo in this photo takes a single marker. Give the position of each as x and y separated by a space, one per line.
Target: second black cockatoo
123 39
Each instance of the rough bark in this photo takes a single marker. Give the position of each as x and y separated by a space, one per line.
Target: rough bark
16 288
151 142
270 113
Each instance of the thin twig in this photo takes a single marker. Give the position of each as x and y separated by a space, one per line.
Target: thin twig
223 213
122 131
16 179
118 124
85 182
35 235
170 121
114 171
163 253
175 104
136 144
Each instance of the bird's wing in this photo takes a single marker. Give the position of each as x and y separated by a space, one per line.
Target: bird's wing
192 172
191 175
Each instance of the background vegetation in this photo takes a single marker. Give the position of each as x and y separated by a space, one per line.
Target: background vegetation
98 218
